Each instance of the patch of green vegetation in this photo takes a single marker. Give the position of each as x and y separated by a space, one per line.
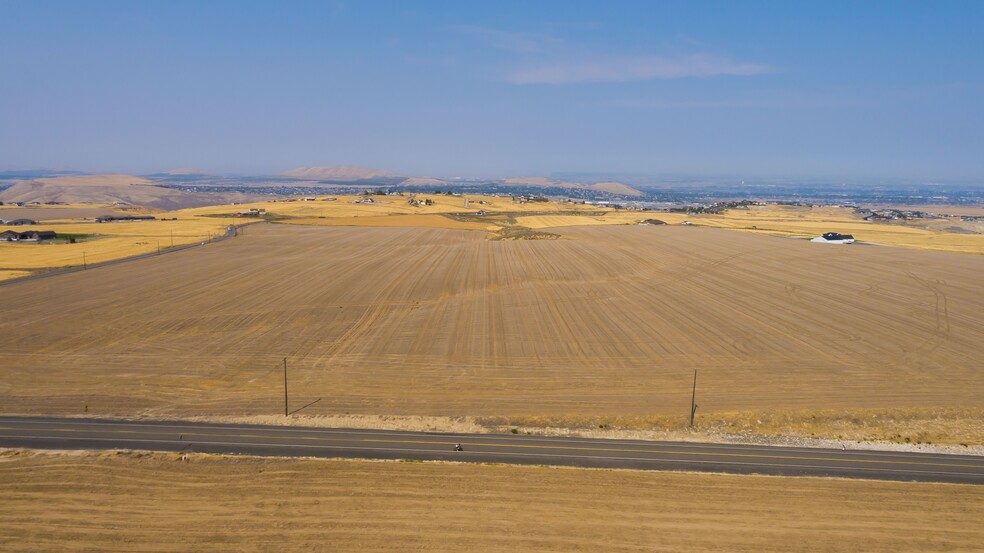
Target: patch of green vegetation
250 216
522 233
78 236
497 218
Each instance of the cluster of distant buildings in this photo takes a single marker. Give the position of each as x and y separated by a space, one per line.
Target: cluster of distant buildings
27 236
18 222
253 212
11 235
896 214
27 204
24 236
117 218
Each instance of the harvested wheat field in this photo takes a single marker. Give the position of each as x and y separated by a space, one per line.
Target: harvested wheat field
423 220
602 326
106 241
602 218
352 206
48 213
152 502
800 221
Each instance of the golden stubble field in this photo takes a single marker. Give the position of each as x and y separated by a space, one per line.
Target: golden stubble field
151 502
602 326
503 218
798 221
100 242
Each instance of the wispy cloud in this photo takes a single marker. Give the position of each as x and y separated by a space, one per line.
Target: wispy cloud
521 42
771 101
542 57
625 69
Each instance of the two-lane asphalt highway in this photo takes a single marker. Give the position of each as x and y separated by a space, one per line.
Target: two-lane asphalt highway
290 441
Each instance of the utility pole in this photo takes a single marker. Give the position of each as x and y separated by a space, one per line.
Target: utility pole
285 388
158 247
83 260
693 400
172 238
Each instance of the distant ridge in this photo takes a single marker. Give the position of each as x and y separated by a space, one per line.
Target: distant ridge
86 189
118 189
338 173
616 188
422 181
185 171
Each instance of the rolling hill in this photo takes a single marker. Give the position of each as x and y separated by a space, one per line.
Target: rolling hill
113 188
341 173
616 188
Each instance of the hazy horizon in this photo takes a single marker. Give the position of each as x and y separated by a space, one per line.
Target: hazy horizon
876 91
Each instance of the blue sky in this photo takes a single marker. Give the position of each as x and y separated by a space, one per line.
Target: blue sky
870 90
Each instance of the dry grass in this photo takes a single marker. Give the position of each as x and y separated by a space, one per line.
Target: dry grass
608 218
505 219
942 209
69 212
411 220
809 222
150 502
107 241
951 430
342 206
603 325
792 221
117 240
5 274
924 430
410 423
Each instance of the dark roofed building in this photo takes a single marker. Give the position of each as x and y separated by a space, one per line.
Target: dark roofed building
111 218
834 238
31 235
38 235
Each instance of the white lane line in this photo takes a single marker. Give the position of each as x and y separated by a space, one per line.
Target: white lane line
537 455
534 440
124 433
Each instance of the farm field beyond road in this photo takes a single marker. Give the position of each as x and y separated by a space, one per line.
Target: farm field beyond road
604 324
152 502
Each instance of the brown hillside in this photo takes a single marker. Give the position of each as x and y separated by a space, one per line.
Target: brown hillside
419 181
337 172
609 187
615 188
103 189
536 181
185 171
